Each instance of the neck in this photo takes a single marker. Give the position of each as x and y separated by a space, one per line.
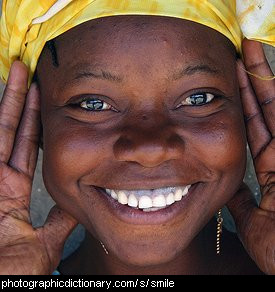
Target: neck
195 259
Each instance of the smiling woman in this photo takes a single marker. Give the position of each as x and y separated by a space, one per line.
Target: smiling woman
147 122
142 162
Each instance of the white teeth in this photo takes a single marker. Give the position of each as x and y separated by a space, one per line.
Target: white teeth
114 194
149 200
132 201
178 194
170 199
185 191
151 209
159 201
145 202
122 198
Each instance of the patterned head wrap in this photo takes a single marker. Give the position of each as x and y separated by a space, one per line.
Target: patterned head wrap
26 25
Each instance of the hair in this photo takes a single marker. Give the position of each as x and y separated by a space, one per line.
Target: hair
52 47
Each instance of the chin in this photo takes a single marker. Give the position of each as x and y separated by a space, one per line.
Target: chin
146 257
145 249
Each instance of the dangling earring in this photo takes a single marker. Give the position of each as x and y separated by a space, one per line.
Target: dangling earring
103 246
219 231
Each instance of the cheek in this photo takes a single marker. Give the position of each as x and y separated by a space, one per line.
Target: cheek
70 153
64 162
221 143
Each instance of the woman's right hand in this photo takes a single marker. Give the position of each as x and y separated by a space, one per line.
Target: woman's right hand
24 250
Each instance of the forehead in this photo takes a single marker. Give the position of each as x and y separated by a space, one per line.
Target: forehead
149 44
124 32
139 26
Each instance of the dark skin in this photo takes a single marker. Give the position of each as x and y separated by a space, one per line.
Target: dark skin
109 149
181 148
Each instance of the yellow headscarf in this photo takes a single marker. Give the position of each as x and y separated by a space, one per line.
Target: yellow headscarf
26 25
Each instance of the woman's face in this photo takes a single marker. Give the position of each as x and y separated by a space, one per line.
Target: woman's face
142 103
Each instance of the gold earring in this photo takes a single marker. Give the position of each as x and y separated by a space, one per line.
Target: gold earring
103 246
219 231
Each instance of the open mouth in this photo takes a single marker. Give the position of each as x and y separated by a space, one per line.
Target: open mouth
148 206
149 200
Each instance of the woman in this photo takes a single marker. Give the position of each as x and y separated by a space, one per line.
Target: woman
143 142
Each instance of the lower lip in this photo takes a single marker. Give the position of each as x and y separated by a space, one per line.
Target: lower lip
138 217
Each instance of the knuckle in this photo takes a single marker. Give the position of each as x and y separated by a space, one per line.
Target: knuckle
14 95
251 116
256 65
24 140
6 128
268 101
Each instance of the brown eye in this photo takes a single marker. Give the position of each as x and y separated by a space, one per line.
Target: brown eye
95 105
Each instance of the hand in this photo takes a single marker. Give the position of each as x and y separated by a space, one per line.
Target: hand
256 224
23 249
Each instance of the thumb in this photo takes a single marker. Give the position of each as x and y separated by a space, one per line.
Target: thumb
255 228
241 205
59 225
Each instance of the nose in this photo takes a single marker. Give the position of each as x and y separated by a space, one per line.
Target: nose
148 146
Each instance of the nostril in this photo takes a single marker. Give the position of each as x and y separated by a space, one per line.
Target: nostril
122 146
149 151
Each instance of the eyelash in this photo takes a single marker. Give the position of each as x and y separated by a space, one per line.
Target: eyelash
82 104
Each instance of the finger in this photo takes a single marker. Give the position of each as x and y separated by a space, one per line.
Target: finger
257 133
255 62
56 230
24 155
11 107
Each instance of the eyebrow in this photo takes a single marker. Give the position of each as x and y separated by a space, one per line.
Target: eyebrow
102 74
106 75
194 69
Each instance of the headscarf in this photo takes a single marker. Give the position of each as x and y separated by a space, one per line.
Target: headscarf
26 25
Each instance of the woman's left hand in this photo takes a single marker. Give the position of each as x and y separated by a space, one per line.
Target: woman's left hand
256 224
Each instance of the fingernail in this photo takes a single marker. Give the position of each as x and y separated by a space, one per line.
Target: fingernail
34 86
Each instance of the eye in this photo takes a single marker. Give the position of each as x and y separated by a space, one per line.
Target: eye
198 99
95 104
